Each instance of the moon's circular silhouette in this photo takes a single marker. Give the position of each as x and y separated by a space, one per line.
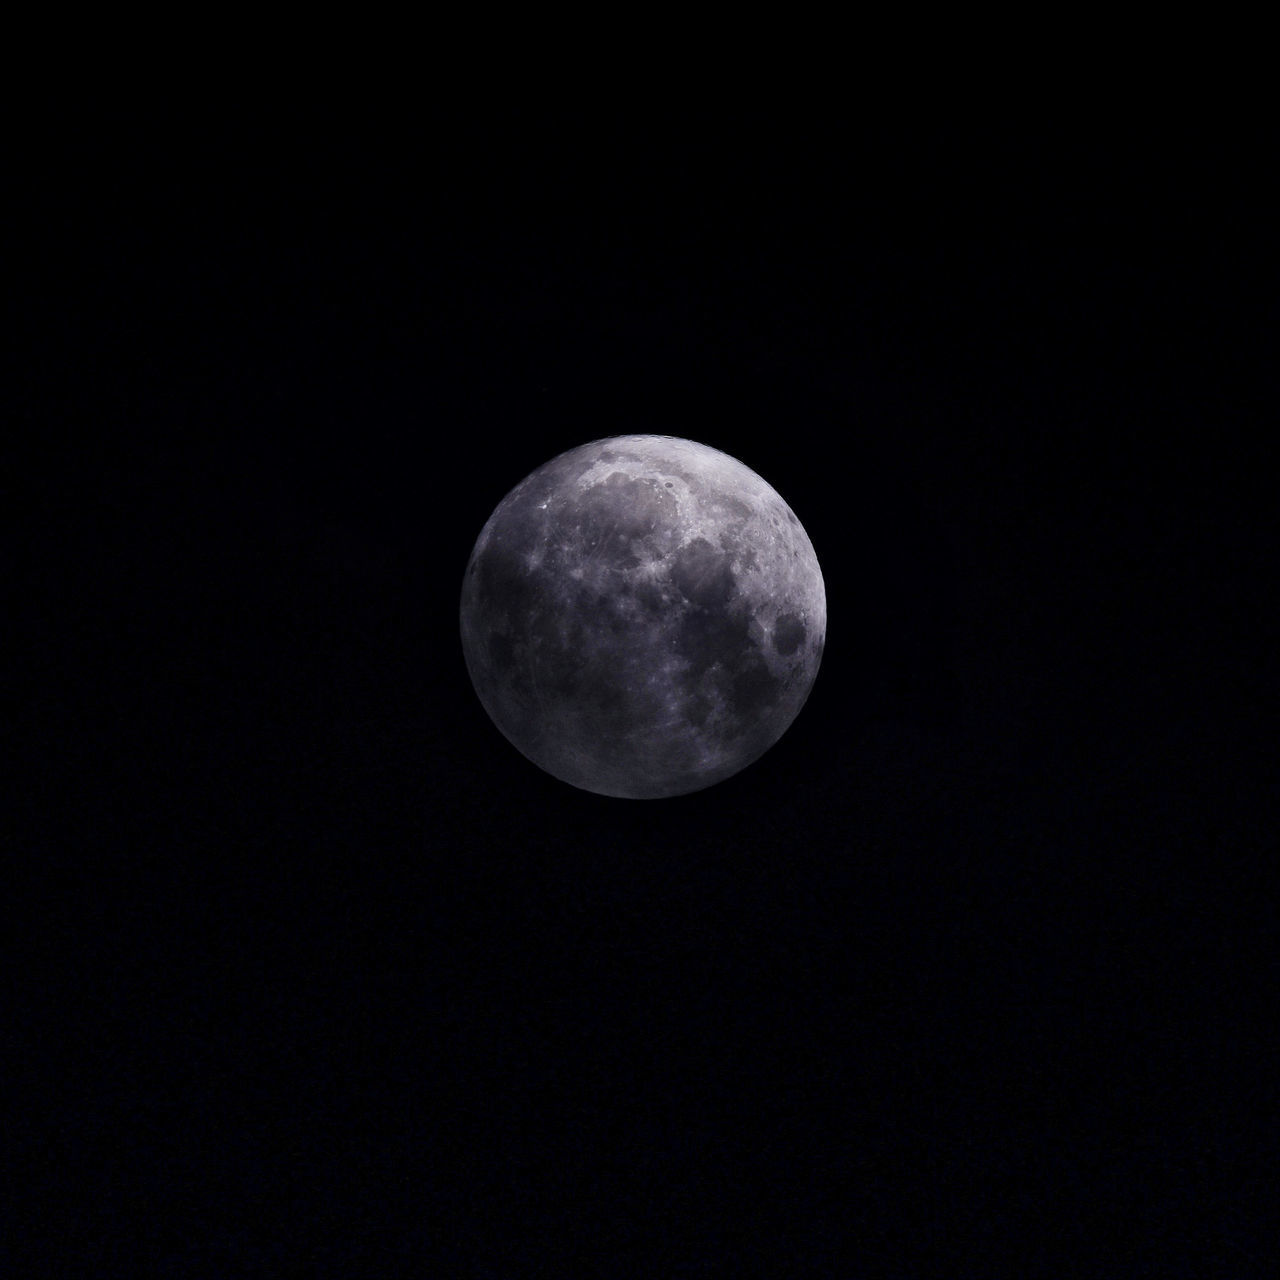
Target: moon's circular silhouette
643 616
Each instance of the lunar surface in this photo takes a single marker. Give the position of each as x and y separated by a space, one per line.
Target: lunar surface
643 616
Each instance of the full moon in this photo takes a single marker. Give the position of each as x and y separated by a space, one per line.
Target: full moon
643 616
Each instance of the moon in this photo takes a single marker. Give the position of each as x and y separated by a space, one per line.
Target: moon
643 616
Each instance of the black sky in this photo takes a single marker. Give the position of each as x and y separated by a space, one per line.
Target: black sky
316 975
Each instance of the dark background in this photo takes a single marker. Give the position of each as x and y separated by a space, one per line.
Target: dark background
316 975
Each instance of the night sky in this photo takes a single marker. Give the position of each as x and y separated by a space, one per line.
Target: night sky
316 975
